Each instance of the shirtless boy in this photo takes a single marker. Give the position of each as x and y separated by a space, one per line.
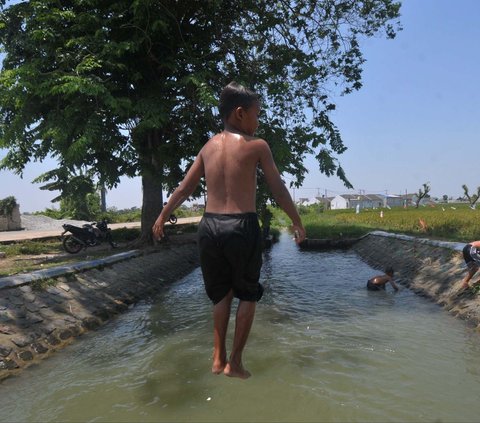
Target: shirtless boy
379 282
471 255
229 233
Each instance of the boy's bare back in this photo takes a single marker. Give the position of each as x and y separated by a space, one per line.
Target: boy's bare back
230 161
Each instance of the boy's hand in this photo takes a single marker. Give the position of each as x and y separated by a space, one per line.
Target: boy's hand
299 233
157 229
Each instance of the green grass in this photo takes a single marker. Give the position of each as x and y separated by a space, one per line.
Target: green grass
32 248
460 224
26 256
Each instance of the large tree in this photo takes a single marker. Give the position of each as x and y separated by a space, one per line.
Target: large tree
129 87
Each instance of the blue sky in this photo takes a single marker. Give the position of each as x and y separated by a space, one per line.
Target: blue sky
416 119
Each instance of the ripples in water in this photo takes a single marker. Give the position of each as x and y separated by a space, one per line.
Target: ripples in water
322 348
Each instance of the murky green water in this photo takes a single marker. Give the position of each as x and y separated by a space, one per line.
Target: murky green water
322 348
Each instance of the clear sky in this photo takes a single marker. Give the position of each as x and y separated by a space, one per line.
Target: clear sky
416 119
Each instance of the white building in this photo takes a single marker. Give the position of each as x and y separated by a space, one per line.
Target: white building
365 201
316 200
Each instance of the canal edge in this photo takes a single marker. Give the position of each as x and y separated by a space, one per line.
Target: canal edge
46 310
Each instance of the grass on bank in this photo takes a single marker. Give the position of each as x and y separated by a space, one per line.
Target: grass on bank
113 215
27 256
449 222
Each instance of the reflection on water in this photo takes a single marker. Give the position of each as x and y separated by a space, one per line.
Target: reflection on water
322 348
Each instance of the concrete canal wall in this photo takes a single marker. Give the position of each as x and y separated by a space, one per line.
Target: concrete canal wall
43 311
430 268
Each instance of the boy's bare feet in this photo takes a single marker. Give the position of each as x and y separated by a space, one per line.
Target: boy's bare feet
218 366
232 370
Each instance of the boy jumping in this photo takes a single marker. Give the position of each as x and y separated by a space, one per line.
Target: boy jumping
229 234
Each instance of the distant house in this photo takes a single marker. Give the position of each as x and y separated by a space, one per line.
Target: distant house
340 202
394 200
303 201
326 201
315 200
365 201
350 201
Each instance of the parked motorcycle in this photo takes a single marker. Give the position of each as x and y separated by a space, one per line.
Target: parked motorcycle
89 235
172 219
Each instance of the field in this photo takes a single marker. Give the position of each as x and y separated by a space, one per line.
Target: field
450 222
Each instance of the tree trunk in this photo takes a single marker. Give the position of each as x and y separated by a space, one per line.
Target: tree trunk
152 204
152 177
103 199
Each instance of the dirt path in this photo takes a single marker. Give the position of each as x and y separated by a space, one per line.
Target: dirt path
12 236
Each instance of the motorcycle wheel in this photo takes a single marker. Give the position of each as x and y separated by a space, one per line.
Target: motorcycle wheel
173 219
71 245
110 239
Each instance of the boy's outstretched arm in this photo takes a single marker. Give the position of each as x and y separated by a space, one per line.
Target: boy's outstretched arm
184 190
394 285
279 191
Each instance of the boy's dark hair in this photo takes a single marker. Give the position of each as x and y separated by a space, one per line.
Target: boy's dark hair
389 271
235 95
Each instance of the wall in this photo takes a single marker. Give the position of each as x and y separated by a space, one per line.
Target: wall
40 317
431 268
11 223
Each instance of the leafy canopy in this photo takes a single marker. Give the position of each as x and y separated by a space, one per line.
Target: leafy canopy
113 88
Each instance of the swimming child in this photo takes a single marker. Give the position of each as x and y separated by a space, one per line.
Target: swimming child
471 255
379 282
229 237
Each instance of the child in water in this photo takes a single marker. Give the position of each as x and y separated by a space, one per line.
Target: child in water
379 282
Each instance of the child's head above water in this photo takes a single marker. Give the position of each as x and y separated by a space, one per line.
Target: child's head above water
235 95
389 271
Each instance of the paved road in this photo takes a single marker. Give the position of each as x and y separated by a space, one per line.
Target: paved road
11 236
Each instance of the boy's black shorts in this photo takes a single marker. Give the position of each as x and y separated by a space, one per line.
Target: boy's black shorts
231 255
372 287
467 256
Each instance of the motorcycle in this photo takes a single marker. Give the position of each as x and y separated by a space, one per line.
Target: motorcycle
89 235
172 219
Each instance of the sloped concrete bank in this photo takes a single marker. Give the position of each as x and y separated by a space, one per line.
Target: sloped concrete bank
41 314
430 268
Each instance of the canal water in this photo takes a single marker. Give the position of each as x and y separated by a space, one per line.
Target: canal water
322 349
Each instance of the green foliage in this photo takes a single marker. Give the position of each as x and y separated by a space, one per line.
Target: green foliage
42 284
53 213
459 223
184 211
129 88
475 289
121 216
7 205
31 248
78 197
